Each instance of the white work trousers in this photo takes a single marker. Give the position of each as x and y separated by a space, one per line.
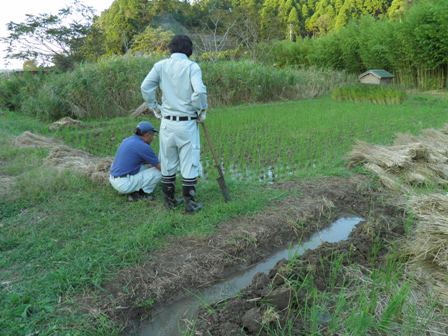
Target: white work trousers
180 146
146 179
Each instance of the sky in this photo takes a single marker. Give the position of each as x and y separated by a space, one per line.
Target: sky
15 10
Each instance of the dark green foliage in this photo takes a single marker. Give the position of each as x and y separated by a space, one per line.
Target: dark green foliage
415 49
15 88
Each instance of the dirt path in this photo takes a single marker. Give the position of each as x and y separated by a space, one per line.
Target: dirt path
196 262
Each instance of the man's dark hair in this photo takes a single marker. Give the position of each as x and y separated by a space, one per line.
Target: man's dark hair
181 44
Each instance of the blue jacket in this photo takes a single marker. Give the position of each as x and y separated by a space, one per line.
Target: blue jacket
132 153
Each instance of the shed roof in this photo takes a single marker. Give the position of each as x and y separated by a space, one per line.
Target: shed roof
379 73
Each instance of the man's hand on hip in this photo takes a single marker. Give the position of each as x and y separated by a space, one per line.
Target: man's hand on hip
202 114
157 113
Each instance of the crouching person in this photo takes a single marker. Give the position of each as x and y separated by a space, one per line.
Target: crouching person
135 170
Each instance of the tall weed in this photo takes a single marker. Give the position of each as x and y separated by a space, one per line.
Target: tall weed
111 87
377 94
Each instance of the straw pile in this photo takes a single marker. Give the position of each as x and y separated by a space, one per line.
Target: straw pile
431 232
432 278
417 160
64 122
411 160
64 157
28 139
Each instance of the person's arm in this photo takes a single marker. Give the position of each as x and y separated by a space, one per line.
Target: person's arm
148 155
149 88
199 96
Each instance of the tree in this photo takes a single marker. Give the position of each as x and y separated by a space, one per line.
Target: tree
120 22
50 38
293 22
152 41
397 8
30 65
248 28
271 22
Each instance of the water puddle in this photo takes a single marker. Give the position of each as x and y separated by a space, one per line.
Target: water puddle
169 320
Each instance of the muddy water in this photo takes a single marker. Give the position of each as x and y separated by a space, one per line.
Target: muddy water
170 319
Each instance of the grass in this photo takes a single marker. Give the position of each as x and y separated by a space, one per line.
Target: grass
62 235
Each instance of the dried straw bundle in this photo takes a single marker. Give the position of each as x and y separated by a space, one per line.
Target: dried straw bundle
99 172
64 157
64 122
388 180
412 160
28 139
433 277
391 158
431 232
142 110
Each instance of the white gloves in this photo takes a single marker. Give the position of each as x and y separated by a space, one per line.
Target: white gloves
202 114
157 113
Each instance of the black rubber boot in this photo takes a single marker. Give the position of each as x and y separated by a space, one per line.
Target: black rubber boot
169 189
191 206
133 196
145 196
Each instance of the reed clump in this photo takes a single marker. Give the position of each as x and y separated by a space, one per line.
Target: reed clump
376 94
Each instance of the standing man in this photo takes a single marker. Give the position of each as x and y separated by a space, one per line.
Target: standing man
129 173
184 104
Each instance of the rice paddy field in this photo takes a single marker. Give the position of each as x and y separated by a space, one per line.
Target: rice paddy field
271 142
64 238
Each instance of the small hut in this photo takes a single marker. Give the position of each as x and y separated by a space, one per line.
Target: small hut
377 76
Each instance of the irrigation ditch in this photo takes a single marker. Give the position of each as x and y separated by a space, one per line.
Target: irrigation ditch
190 264
169 319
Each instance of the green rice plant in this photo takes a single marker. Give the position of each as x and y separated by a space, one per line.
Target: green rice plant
377 94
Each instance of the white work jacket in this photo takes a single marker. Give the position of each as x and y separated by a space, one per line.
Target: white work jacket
180 79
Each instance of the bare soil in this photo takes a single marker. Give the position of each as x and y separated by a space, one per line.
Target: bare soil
189 263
